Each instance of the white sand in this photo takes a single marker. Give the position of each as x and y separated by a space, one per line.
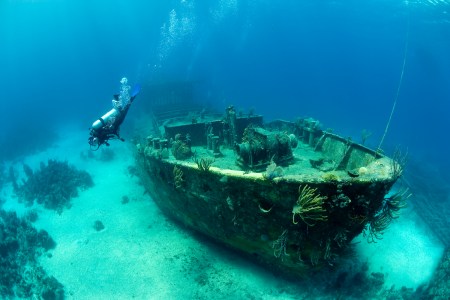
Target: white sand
142 255
407 254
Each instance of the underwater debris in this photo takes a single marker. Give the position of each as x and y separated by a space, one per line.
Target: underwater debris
53 185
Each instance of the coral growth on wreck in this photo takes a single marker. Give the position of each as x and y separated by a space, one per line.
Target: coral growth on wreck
382 219
181 148
203 163
272 171
309 206
53 184
178 177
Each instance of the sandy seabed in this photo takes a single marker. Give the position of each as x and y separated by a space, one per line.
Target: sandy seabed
140 254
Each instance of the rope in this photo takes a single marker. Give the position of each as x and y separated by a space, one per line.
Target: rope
399 85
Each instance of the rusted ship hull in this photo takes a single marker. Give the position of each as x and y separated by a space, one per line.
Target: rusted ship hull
261 208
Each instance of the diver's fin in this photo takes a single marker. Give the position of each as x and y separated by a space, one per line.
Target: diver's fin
136 90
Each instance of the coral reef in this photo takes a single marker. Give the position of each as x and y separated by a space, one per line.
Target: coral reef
31 216
20 273
53 185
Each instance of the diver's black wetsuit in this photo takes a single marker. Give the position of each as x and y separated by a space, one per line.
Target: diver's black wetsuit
109 130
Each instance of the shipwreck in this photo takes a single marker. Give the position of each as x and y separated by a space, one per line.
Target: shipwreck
287 193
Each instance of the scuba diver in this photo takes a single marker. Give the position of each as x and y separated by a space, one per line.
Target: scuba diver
107 127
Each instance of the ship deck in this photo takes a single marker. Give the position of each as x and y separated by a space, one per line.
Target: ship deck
301 169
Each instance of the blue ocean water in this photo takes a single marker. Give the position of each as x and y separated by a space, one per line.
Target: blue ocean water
337 61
